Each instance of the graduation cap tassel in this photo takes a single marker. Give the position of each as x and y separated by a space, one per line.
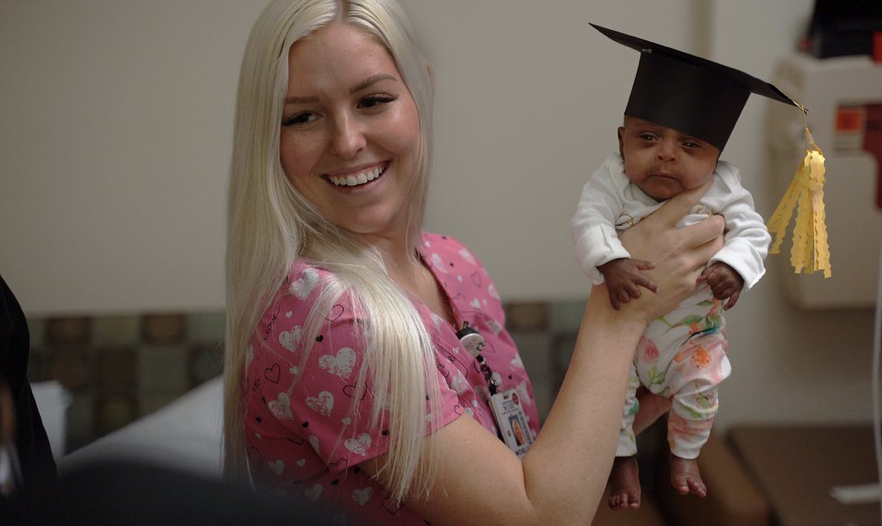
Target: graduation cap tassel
810 251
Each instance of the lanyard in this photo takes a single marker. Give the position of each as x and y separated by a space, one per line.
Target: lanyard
508 414
473 342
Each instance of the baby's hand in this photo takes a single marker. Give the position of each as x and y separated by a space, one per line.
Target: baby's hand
724 281
624 277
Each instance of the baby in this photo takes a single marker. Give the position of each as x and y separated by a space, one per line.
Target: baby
681 112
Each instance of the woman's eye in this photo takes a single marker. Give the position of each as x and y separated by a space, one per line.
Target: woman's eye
299 119
373 101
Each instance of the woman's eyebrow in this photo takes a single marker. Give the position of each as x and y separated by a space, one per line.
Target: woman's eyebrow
300 100
373 79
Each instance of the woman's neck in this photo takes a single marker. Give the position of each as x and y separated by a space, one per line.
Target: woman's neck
407 269
398 254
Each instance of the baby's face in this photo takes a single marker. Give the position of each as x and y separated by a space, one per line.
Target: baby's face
662 161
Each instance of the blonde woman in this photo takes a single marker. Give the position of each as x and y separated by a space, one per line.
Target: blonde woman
368 370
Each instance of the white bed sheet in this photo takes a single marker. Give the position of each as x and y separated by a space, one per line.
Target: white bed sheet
52 401
186 434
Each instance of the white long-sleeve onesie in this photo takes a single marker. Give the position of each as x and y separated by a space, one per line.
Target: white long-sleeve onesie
610 202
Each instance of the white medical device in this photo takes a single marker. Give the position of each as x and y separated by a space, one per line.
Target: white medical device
844 99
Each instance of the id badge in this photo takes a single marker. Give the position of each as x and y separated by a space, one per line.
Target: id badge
511 421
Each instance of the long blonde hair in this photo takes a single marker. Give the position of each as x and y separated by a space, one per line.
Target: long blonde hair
270 225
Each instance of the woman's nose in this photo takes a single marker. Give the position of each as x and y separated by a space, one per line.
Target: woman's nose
348 138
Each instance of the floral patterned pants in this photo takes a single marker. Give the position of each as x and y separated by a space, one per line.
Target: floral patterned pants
681 355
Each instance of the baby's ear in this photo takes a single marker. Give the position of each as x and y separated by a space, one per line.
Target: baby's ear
620 132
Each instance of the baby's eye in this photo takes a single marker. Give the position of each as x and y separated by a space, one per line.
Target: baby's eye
691 144
299 119
373 101
647 136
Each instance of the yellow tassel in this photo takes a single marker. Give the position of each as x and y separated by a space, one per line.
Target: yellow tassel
810 251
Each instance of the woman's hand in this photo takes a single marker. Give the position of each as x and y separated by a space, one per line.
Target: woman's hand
679 254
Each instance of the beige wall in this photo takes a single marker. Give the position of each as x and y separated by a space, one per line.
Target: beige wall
117 117
115 132
114 146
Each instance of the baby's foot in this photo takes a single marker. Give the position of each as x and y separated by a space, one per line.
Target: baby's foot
624 484
686 477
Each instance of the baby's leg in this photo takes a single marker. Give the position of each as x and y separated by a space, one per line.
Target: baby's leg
624 478
624 484
627 442
699 368
685 474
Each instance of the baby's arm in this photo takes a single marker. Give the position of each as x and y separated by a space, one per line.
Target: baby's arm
724 281
593 225
624 277
747 238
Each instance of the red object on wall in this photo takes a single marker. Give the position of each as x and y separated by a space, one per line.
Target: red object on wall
850 120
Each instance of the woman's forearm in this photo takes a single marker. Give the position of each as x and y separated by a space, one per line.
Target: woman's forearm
561 479
565 471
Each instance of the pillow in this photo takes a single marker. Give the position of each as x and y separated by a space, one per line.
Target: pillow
185 434
52 402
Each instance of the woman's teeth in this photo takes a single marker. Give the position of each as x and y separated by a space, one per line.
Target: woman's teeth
356 179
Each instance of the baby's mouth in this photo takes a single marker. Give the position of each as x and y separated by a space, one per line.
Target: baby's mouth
665 175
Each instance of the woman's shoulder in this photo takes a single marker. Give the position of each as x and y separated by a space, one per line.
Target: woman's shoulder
311 271
299 293
304 280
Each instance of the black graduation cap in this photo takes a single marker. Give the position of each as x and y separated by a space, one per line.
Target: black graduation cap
690 94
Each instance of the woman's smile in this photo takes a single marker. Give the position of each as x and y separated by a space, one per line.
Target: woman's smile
357 177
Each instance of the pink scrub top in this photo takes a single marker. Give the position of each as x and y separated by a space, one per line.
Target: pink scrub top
302 440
